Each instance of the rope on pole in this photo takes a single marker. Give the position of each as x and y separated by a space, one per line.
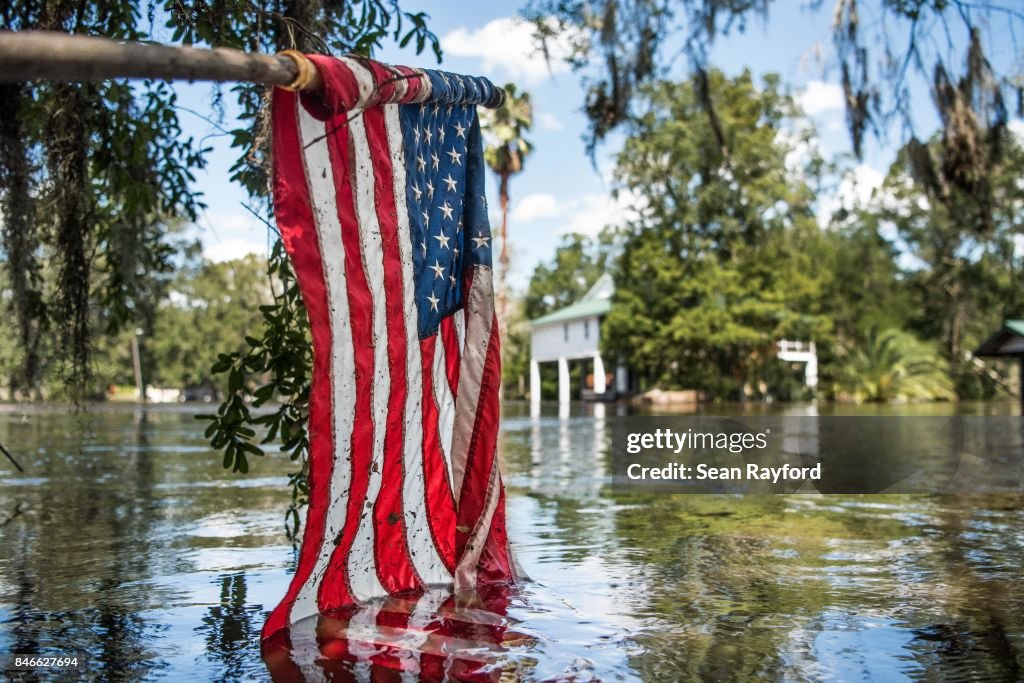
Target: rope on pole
55 56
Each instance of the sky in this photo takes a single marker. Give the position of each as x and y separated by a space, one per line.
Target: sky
560 189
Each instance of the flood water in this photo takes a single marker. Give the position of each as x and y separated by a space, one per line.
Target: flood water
125 541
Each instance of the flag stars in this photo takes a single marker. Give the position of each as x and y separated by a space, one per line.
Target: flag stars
452 279
430 190
456 157
452 183
460 131
426 218
438 269
446 209
423 246
433 301
440 134
434 160
421 163
480 241
427 135
417 191
442 240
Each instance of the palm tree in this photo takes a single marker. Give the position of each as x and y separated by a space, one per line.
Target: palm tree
505 152
893 365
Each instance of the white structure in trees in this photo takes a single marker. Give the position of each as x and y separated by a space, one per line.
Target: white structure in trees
801 352
572 333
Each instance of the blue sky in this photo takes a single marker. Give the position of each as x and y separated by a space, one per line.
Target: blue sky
560 190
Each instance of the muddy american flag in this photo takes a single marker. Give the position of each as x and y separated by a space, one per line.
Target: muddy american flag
379 198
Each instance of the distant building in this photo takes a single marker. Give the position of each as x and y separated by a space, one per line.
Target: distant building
574 333
1007 342
801 352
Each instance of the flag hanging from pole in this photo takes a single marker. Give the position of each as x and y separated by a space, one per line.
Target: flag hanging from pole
379 198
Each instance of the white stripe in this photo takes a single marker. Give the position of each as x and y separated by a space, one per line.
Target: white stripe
400 83
364 81
305 649
445 404
343 387
362 558
362 649
479 311
460 328
422 550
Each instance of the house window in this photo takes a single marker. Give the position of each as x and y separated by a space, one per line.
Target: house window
586 329
565 331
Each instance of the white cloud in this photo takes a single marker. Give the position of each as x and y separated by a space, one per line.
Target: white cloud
855 189
508 45
858 185
819 97
228 250
586 214
228 235
1016 127
592 212
549 121
533 206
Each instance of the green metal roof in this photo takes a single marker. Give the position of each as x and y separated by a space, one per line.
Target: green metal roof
582 309
1015 325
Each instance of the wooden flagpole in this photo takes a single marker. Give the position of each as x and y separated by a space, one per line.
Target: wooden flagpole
49 55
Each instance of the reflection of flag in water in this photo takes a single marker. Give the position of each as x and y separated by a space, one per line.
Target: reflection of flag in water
379 196
432 636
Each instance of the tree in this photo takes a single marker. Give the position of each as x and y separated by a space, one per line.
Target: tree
85 166
889 365
578 262
505 153
967 272
214 302
89 171
721 263
877 47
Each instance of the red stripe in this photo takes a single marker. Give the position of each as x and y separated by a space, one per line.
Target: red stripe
452 352
495 564
393 559
482 447
440 502
412 85
340 91
294 215
335 591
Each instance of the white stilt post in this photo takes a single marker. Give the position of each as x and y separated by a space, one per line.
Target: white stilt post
811 371
534 387
599 380
563 381
621 379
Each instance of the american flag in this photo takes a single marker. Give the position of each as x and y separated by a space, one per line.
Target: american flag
434 636
379 197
